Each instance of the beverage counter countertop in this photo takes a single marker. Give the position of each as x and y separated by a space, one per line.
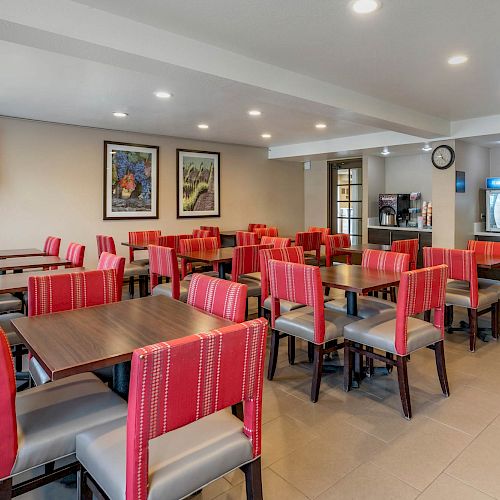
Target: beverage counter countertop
413 229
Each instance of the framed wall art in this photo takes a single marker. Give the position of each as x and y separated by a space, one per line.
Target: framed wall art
130 181
198 184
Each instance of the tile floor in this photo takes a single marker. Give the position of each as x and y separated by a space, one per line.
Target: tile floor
358 446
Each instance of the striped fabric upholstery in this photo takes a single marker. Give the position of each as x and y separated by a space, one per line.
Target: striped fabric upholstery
223 298
407 246
173 384
325 231
275 241
246 260
193 245
244 238
111 261
214 232
63 292
8 421
144 238
105 244
310 242
419 291
252 227
333 246
300 284
385 261
51 246
75 254
201 233
173 240
461 266
163 262
266 231
289 254
488 248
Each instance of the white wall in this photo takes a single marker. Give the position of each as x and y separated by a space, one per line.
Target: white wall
316 195
374 180
495 162
51 182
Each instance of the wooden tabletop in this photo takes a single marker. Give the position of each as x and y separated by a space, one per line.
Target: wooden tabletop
20 252
136 247
18 282
357 279
358 249
487 262
32 262
82 340
217 255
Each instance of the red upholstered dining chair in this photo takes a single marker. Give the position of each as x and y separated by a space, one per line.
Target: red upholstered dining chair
175 439
322 328
111 261
275 241
334 245
201 233
63 292
39 425
488 249
244 238
163 263
325 231
173 240
266 231
252 227
143 238
222 298
419 291
75 254
310 241
214 232
193 245
465 293
407 246
52 245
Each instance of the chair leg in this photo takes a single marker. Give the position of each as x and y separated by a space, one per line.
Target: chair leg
427 316
131 286
317 372
494 320
291 350
246 310
473 329
448 316
18 356
441 367
273 356
259 307
389 367
6 489
253 480
393 294
404 389
348 362
143 286
85 491
369 363
310 352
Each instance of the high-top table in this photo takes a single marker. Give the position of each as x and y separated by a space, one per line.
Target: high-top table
219 256
20 252
18 282
21 263
82 340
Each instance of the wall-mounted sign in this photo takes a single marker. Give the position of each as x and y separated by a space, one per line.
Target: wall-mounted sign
493 183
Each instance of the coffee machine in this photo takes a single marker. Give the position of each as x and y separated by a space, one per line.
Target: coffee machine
393 209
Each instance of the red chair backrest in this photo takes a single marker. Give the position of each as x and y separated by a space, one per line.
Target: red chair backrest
246 260
143 238
420 290
75 254
266 231
309 241
195 244
105 244
251 227
201 233
275 241
407 246
223 298
52 245
246 238
488 248
111 261
301 284
288 254
461 266
64 292
213 230
163 262
173 240
229 362
385 261
334 245
325 231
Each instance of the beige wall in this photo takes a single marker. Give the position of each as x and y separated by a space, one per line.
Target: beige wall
51 182
316 195
374 178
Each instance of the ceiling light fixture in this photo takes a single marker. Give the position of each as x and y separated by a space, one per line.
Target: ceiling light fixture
163 95
120 114
365 6
202 126
266 136
254 112
385 151
427 147
320 125
458 59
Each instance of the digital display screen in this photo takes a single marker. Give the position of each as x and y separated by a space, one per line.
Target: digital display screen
493 183
460 182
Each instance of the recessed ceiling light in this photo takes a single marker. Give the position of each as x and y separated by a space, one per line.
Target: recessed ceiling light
266 136
202 125
427 147
320 125
254 112
365 6
385 152
458 59
120 114
163 95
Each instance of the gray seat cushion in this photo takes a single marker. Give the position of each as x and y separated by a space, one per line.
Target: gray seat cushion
5 321
461 296
285 305
367 306
483 284
140 262
9 303
379 332
38 374
131 270
300 323
253 286
166 289
180 462
49 417
212 274
310 259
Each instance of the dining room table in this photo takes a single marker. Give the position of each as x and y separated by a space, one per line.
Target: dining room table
19 264
18 282
217 256
20 252
359 249
78 341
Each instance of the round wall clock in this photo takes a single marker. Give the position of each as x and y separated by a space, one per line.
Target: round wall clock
443 157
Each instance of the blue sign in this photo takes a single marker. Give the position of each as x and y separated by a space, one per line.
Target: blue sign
493 183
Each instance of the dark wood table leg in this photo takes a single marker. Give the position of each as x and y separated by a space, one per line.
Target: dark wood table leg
352 310
121 379
222 271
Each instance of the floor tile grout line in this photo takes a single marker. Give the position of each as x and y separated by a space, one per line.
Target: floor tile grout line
467 484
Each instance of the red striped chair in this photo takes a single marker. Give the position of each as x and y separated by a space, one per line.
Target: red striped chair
140 457
173 240
214 232
407 246
488 249
325 231
399 336
201 233
75 254
52 245
276 242
193 245
463 268
39 425
266 231
163 263
111 261
252 227
223 298
143 238
63 292
105 244
334 245
244 238
310 242
322 328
